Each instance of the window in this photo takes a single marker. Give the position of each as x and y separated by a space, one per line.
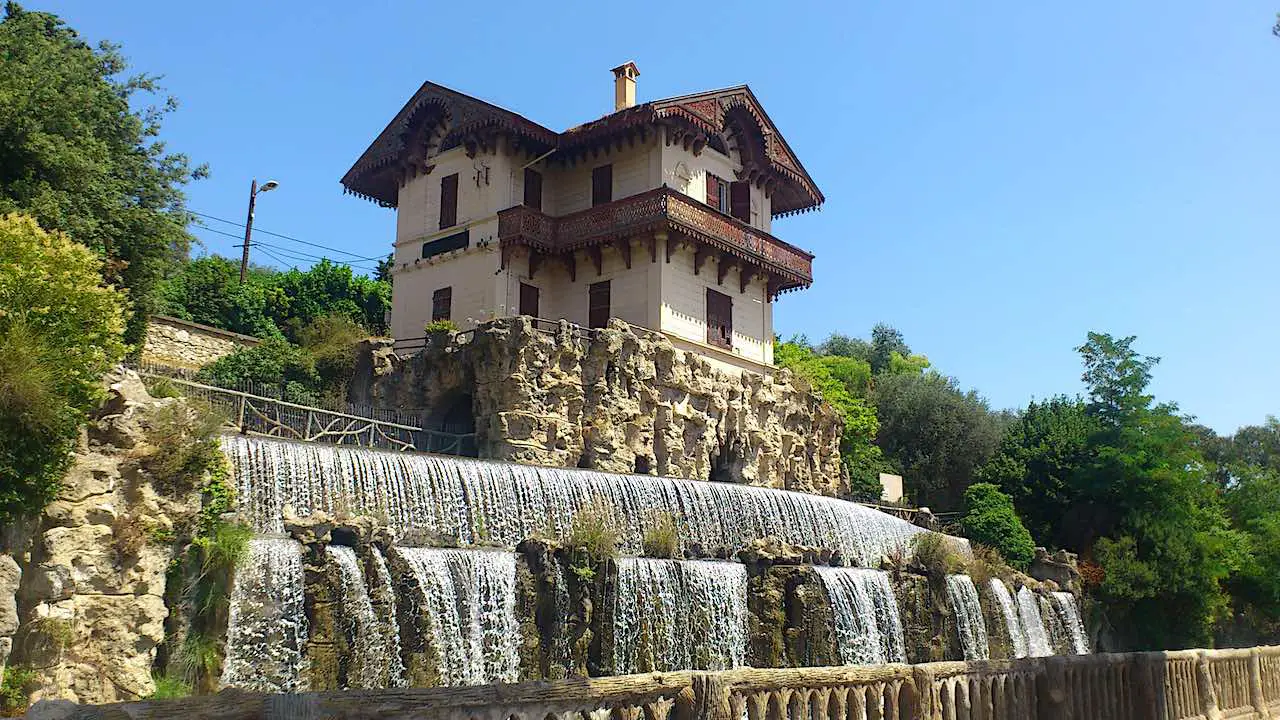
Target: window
598 305
449 243
528 300
448 201
533 189
441 304
719 320
730 198
601 185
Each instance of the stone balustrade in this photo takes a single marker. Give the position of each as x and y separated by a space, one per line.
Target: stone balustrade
1181 685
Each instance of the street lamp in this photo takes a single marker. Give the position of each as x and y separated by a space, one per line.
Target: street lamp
267 186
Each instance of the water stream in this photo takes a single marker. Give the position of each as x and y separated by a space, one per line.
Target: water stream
473 501
375 657
467 603
967 610
868 627
1038 644
267 629
1009 611
1065 605
679 615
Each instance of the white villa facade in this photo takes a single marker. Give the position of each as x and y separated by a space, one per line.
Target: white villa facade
659 214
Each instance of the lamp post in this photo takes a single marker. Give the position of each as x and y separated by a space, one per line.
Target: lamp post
248 224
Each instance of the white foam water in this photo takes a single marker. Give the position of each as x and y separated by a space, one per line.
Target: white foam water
467 604
267 626
679 615
1065 605
474 501
868 627
375 657
967 610
1009 611
1033 624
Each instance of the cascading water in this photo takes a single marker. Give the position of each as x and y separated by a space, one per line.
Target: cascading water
967 610
679 615
1064 603
390 624
468 601
1033 624
375 657
267 626
473 501
1010 613
868 628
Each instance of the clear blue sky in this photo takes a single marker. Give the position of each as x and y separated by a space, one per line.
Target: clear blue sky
1002 177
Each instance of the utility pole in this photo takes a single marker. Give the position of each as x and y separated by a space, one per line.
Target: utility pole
248 223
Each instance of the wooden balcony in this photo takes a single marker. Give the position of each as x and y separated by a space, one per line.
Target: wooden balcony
662 209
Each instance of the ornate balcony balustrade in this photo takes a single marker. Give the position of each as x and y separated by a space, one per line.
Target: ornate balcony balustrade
657 210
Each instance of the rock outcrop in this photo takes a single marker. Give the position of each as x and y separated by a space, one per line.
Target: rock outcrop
618 399
90 603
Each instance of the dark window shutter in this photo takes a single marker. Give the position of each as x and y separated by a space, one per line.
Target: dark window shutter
602 185
442 304
448 201
719 320
528 300
740 201
598 305
713 191
533 188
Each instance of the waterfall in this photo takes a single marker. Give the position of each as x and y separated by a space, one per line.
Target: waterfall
267 627
679 615
1032 623
375 656
468 604
474 501
1065 605
1009 611
967 610
868 628
390 623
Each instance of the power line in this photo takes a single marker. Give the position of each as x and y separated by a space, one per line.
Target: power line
287 237
299 255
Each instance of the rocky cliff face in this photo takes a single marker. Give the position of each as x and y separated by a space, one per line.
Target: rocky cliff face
619 400
89 572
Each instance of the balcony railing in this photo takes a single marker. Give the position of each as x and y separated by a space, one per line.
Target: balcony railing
655 210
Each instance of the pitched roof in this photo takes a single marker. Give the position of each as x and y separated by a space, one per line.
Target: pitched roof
437 118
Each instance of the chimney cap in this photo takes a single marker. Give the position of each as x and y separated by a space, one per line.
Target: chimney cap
627 69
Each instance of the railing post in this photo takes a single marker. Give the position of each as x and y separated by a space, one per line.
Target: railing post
1256 696
926 701
1148 694
240 414
1051 689
1204 686
705 698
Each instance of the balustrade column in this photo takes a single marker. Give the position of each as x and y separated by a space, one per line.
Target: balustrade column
1051 689
1204 687
1256 697
706 698
928 705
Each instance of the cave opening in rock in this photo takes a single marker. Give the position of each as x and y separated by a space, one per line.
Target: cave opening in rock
452 428
643 466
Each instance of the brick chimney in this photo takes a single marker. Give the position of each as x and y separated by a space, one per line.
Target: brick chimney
624 85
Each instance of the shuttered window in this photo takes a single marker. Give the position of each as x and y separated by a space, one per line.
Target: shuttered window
532 189
448 201
528 300
716 192
740 201
598 305
719 320
601 185
442 304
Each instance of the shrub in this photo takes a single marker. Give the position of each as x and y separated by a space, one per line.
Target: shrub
15 687
991 520
440 326
184 434
936 553
661 536
60 330
595 529
289 370
169 688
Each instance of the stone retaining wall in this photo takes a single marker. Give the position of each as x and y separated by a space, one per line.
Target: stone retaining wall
185 344
618 399
1208 684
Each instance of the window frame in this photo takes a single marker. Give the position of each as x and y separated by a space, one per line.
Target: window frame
448 209
719 325
594 291
601 191
442 297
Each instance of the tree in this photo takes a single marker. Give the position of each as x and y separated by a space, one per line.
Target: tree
885 341
991 520
936 434
287 370
60 330
76 155
385 266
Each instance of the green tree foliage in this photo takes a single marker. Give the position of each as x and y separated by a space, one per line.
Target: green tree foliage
842 381
936 434
274 304
76 155
60 330
275 366
991 520
1123 480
